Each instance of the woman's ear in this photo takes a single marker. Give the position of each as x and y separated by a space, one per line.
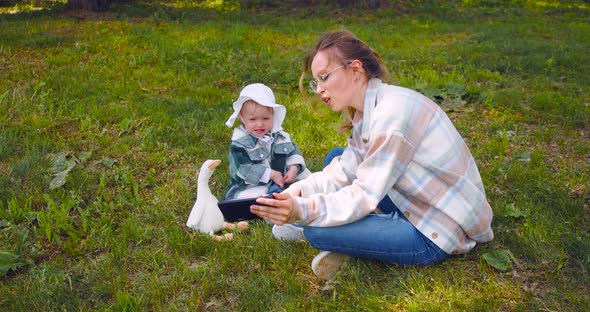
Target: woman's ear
357 66
357 69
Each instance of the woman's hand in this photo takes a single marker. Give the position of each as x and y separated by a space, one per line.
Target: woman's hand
293 190
279 210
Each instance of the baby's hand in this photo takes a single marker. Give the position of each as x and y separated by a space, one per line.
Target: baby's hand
277 178
291 174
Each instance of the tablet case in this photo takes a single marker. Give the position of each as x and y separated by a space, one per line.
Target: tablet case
234 210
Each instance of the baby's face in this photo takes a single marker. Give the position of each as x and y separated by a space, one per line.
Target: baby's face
257 119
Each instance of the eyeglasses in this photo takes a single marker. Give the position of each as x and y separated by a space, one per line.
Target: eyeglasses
314 84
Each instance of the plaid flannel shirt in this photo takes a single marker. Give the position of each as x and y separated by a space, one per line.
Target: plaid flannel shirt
404 146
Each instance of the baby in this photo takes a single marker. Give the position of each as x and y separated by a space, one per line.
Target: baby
263 158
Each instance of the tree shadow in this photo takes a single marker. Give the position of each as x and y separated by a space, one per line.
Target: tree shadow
182 9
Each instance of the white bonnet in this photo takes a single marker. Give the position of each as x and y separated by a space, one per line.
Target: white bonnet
262 95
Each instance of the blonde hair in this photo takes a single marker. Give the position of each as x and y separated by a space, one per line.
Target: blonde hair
343 46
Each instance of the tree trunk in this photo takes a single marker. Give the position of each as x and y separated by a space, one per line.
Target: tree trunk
94 5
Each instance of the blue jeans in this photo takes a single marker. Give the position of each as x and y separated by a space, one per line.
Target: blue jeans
387 237
274 188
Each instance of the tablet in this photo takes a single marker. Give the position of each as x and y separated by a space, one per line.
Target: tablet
239 209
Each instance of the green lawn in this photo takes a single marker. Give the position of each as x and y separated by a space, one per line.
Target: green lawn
105 119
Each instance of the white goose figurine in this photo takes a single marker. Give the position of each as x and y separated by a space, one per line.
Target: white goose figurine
205 215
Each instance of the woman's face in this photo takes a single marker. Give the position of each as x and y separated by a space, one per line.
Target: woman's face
338 89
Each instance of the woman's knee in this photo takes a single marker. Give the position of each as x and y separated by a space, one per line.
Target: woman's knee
335 152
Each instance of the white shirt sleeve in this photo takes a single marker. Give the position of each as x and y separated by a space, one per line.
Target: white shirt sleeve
266 176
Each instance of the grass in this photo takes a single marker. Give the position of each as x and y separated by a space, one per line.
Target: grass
106 117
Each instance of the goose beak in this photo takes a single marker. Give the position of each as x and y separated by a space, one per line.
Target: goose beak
214 164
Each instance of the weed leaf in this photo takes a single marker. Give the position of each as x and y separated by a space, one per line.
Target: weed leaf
499 259
453 101
523 156
514 212
10 261
108 162
456 89
125 126
61 163
60 168
84 156
59 180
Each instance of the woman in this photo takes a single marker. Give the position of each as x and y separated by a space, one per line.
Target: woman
405 190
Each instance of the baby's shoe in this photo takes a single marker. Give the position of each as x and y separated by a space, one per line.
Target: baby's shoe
287 232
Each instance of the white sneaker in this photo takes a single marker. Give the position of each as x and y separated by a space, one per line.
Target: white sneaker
326 264
287 232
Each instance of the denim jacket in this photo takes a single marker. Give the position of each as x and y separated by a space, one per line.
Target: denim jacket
249 158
